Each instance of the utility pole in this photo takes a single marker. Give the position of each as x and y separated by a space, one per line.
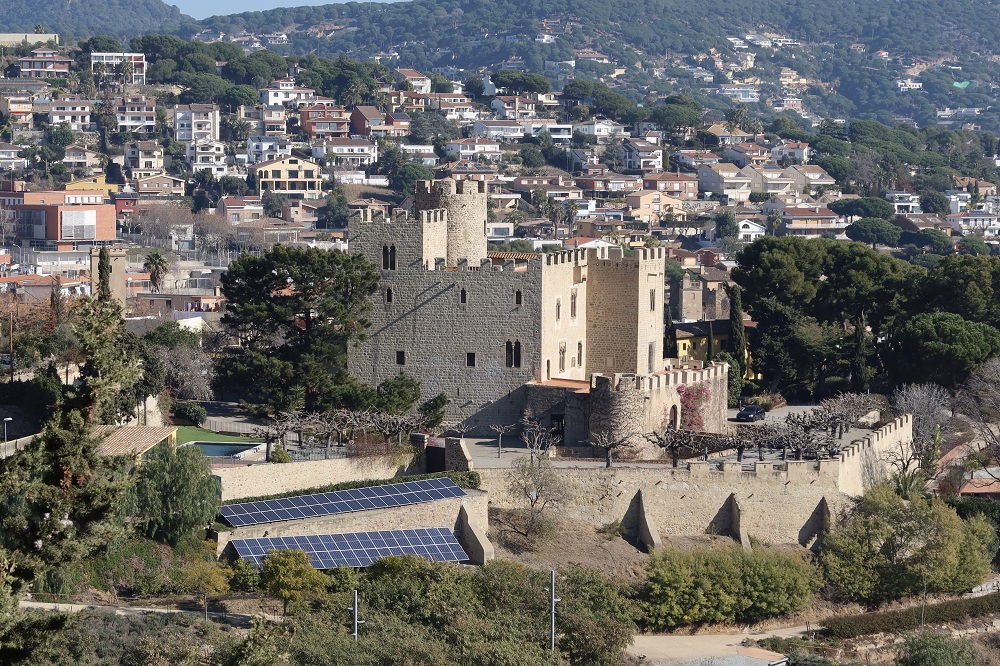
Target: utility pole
354 610
552 611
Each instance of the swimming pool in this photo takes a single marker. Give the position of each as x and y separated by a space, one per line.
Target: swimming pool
222 449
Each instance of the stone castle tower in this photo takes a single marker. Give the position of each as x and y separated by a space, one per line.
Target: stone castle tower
465 202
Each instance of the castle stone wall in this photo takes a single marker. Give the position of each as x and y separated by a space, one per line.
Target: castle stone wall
625 306
564 315
789 502
466 203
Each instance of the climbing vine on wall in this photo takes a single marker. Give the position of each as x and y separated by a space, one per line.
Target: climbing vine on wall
693 401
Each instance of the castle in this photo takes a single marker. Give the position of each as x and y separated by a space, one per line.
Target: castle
557 337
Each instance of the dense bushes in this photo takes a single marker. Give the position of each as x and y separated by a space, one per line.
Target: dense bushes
467 480
888 548
190 412
895 621
728 585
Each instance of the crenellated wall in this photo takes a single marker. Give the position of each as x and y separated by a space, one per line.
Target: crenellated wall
785 502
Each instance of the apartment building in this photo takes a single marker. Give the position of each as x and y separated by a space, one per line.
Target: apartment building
113 63
291 176
325 122
74 111
194 122
136 114
44 64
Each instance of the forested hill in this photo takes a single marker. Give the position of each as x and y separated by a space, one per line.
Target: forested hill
651 27
83 18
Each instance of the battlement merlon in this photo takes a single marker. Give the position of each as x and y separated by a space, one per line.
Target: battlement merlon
449 187
398 215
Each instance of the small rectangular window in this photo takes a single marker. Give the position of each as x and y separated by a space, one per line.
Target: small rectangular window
401 358
470 359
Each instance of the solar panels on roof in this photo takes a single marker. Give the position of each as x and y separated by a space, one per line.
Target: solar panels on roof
340 501
358 549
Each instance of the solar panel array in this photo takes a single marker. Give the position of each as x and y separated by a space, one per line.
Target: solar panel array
358 549
340 501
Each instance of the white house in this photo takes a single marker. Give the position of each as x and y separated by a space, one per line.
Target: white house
750 230
9 159
642 155
264 148
600 128
469 149
356 153
208 154
285 91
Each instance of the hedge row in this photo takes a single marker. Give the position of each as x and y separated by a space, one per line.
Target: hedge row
466 480
966 507
958 610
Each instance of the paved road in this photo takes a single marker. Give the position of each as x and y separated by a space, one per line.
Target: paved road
664 649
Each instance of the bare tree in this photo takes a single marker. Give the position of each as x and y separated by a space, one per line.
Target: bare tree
612 443
537 438
188 371
536 483
928 406
673 441
213 232
501 429
979 401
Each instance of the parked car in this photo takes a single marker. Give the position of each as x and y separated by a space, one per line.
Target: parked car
751 413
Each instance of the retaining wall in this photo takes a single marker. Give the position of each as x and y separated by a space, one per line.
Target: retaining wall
269 479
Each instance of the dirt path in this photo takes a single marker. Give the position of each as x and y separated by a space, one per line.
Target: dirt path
657 647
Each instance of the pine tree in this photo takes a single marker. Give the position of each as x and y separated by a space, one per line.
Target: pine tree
737 332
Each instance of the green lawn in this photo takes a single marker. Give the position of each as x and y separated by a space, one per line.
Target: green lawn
187 434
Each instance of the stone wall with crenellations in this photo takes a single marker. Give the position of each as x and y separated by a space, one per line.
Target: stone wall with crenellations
788 502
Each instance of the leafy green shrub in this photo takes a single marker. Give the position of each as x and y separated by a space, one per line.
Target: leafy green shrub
466 480
897 621
245 578
888 548
728 586
280 455
139 567
935 650
190 412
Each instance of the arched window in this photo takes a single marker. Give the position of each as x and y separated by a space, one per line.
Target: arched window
385 257
517 297
558 309
510 354
562 357
392 257
462 296
652 300
572 305
579 353
517 353
388 295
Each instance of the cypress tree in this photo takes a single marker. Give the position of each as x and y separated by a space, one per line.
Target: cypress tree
710 355
669 333
104 275
737 332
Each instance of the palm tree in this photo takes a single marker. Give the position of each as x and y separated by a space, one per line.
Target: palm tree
157 266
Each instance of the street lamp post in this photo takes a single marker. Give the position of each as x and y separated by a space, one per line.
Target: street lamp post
6 420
